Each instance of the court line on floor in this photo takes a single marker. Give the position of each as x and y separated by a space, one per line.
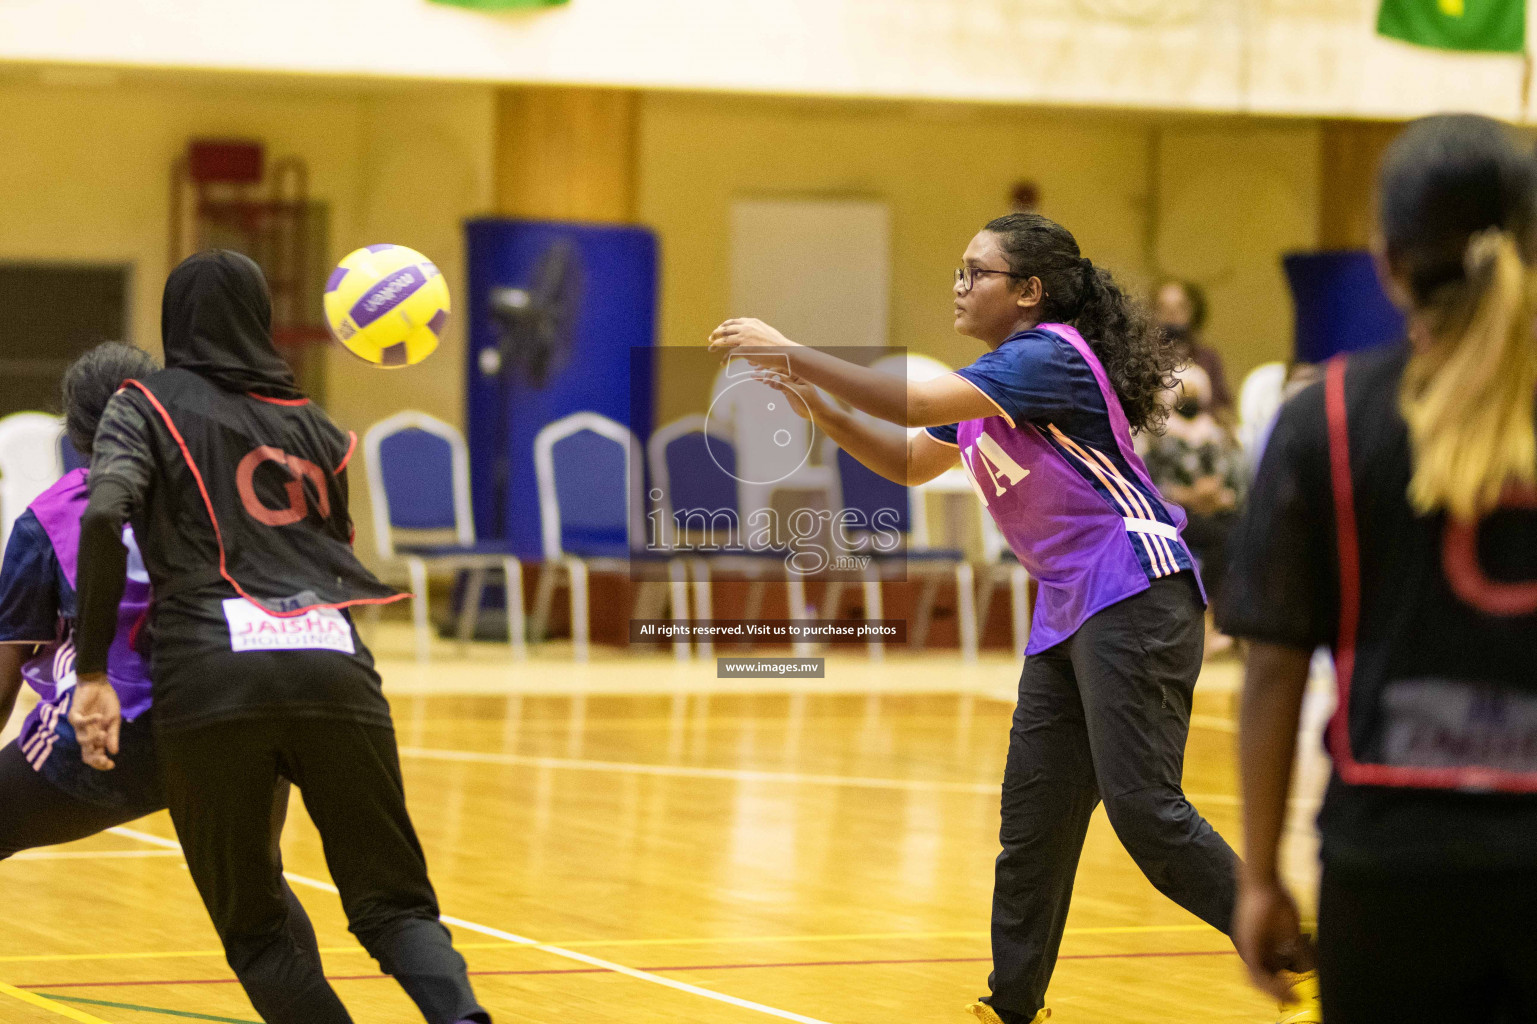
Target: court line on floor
521 940
755 775
162 1011
729 940
541 971
43 1002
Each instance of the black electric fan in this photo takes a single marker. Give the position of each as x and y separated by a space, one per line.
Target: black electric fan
536 333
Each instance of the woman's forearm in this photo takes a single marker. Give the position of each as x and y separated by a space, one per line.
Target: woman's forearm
882 395
1275 680
880 447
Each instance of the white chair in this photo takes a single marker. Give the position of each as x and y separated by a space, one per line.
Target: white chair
1259 398
1000 562
591 518
419 482
30 463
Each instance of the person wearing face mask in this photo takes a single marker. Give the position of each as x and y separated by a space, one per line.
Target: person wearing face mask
1180 309
1198 465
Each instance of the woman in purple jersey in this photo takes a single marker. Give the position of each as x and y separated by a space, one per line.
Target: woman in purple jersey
47 793
1042 424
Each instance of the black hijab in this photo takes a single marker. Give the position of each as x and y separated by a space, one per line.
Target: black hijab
216 320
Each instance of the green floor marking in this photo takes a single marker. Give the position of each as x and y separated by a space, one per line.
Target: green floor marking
150 1009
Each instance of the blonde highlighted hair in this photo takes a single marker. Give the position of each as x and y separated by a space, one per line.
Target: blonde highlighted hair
1469 393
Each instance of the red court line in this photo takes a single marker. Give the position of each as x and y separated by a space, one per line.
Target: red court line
681 967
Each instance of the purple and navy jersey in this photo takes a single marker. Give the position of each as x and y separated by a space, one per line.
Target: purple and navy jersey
37 609
1090 526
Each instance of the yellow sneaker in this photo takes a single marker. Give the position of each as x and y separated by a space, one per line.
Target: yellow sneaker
1301 1003
987 1015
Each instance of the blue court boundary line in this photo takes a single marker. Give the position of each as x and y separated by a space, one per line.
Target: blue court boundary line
149 1009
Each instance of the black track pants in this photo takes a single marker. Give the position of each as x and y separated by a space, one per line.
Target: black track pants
1102 716
224 784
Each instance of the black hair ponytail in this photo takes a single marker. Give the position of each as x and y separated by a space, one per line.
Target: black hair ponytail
1138 358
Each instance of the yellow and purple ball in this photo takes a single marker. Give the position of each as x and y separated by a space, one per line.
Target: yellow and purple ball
387 304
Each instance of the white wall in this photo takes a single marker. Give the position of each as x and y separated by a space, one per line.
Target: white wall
1317 57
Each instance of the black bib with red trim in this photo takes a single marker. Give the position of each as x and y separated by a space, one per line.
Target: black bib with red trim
269 473
1436 649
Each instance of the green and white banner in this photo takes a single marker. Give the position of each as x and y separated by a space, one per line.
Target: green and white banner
1486 26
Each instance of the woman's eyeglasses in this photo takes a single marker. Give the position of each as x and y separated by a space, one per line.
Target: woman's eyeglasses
965 277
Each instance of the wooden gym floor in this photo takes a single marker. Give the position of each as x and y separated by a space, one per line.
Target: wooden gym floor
635 841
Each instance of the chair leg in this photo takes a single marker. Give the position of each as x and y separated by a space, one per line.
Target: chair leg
517 622
795 590
987 585
579 608
925 612
966 609
544 597
874 609
677 593
704 607
831 599
418 572
469 609
756 590
1019 592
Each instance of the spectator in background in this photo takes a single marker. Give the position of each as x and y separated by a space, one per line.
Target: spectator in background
1198 464
1180 308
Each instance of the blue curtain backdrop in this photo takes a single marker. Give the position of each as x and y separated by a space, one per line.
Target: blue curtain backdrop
1339 303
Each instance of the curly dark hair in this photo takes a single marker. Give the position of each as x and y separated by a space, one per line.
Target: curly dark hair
92 380
1138 358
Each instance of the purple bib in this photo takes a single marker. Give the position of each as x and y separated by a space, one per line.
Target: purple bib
52 673
1075 541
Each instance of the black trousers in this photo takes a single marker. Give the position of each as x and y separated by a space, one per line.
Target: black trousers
1432 948
35 812
1102 716
225 787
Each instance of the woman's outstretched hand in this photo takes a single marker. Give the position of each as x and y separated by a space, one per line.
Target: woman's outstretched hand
752 339
805 400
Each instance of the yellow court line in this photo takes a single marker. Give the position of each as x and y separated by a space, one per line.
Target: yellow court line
48 1004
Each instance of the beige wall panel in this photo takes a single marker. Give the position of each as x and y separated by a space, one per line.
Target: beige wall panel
566 154
1235 195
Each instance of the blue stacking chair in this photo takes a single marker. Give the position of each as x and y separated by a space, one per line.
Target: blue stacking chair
591 518
419 482
867 492
697 499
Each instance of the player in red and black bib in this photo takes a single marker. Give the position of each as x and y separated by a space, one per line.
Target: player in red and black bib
1394 519
235 485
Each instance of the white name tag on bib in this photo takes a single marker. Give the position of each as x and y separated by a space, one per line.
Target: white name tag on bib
253 629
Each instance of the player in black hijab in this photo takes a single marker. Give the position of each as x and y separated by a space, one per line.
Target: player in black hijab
236 488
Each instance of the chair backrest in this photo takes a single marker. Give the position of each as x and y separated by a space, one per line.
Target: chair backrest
693 476
1258 399
418 478
866 491
30 463
589 471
